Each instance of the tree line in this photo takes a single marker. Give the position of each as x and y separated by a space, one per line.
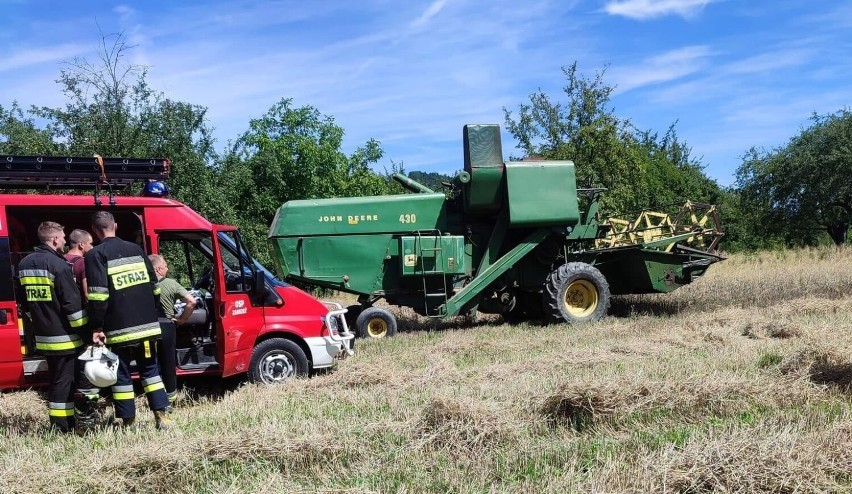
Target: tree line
797 194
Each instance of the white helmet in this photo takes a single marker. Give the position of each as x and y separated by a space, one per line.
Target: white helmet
101 367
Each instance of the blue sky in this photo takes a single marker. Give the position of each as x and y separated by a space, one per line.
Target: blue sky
732 73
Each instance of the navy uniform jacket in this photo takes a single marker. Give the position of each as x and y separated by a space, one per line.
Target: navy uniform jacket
123 292
51 296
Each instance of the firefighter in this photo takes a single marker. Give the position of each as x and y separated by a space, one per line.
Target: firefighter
50 294
123 298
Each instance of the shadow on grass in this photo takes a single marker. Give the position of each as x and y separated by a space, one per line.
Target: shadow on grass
24 412
209 388
645 305
410 322
621 306
821 366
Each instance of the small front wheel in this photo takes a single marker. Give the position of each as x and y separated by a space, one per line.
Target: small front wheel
375 322
276 360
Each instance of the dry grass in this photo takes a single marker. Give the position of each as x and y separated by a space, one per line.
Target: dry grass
741 382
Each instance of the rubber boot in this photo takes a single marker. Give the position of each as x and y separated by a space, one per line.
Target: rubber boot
128 422
86 420
86 423
60 426
163 422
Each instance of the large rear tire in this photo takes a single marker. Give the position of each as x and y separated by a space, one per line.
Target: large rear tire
576 292
375 322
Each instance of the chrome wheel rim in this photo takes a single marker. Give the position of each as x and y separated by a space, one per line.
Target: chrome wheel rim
277 366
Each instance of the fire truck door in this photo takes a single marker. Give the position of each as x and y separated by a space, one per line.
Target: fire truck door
237 320
12 343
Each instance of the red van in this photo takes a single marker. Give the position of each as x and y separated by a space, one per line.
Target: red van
246 321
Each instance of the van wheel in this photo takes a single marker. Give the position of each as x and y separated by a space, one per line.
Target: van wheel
375 322
276 360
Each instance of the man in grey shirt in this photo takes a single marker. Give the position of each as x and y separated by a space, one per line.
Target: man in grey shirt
170 292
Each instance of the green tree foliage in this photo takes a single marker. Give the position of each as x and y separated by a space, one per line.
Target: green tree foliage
432 180
20 135
111 111
640 169
802 190
289 153
293 153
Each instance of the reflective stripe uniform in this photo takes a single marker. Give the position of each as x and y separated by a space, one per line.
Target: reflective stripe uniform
123 292
49 293
123 299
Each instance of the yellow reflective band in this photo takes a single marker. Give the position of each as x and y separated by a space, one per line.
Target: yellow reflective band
79 322
124 395
147 346
126 279
133 266
64 345
157 291
133 336
62 413
154 387
99 297
36 280
38 293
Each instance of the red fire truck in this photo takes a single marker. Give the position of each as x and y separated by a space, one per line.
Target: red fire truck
246 320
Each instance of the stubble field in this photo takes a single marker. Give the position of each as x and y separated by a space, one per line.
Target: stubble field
741 382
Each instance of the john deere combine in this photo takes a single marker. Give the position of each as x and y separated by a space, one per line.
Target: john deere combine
516 238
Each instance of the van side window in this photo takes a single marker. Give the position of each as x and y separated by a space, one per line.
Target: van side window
236 279
7 284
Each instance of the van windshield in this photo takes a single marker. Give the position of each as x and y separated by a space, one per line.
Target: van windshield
229 257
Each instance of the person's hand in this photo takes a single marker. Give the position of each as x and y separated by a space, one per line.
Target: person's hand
175 320
98 338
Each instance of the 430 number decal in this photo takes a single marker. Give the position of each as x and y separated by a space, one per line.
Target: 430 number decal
408 218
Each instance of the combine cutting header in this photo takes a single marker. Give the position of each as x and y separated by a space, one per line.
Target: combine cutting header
515 238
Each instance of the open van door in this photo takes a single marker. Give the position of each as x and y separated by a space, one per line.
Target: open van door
236 314
12 345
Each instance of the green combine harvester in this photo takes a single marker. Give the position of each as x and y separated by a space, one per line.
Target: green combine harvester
517 238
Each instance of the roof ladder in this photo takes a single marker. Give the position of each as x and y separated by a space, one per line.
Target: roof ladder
74 172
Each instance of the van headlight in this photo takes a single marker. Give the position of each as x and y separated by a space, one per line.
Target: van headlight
333 325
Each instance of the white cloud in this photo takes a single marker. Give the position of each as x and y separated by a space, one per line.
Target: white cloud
35 56
124 11
649 9
666 67
429 13
770 61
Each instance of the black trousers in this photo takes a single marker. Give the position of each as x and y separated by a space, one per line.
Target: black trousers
68 385
146 363
166 355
